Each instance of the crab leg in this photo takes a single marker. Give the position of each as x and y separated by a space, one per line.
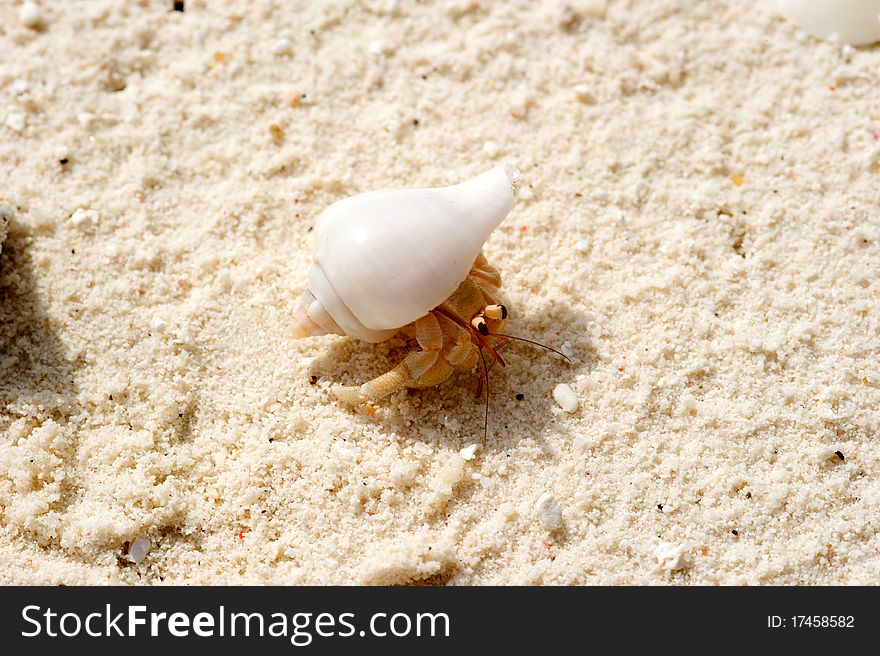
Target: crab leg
425 367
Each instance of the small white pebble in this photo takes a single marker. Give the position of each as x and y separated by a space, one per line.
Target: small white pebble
84 219
85 118
468 452
549 512
847 51
281 47
565 397
139 549
20 86
15 122
184 336
672 557
582 247
584 94
566 349
157 323
376 48
423 448
688 404
594 8
453 471
491 148
30 15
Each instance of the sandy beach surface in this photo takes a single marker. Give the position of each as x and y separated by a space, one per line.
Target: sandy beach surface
698 217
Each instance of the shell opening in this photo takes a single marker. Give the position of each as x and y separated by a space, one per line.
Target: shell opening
308 322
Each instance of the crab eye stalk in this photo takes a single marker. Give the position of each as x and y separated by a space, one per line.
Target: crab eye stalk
497 312
480 324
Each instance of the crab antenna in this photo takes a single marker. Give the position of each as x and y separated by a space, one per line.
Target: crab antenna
530 341
486 422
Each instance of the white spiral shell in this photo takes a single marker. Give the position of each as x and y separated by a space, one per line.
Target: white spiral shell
385 258
856 22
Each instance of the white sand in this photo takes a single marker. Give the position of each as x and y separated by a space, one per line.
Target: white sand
698 216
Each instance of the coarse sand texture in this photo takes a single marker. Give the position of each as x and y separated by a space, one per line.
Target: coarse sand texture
697 224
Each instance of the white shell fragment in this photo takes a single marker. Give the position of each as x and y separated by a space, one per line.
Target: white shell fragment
281 47
549 512
848 21
15 122
672 557
423 448
565 397
139 549
491 148
30 15
584 94
386 258
84 219
469 452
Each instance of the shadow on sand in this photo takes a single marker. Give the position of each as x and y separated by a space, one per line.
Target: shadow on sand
35 376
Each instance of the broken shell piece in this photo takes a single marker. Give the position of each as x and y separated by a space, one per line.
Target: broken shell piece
565 397
84 220
848 21
549 512
672 557
281 47
584 94
30 15
139 549
15 122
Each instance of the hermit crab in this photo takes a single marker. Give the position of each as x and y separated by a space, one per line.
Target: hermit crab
410 262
